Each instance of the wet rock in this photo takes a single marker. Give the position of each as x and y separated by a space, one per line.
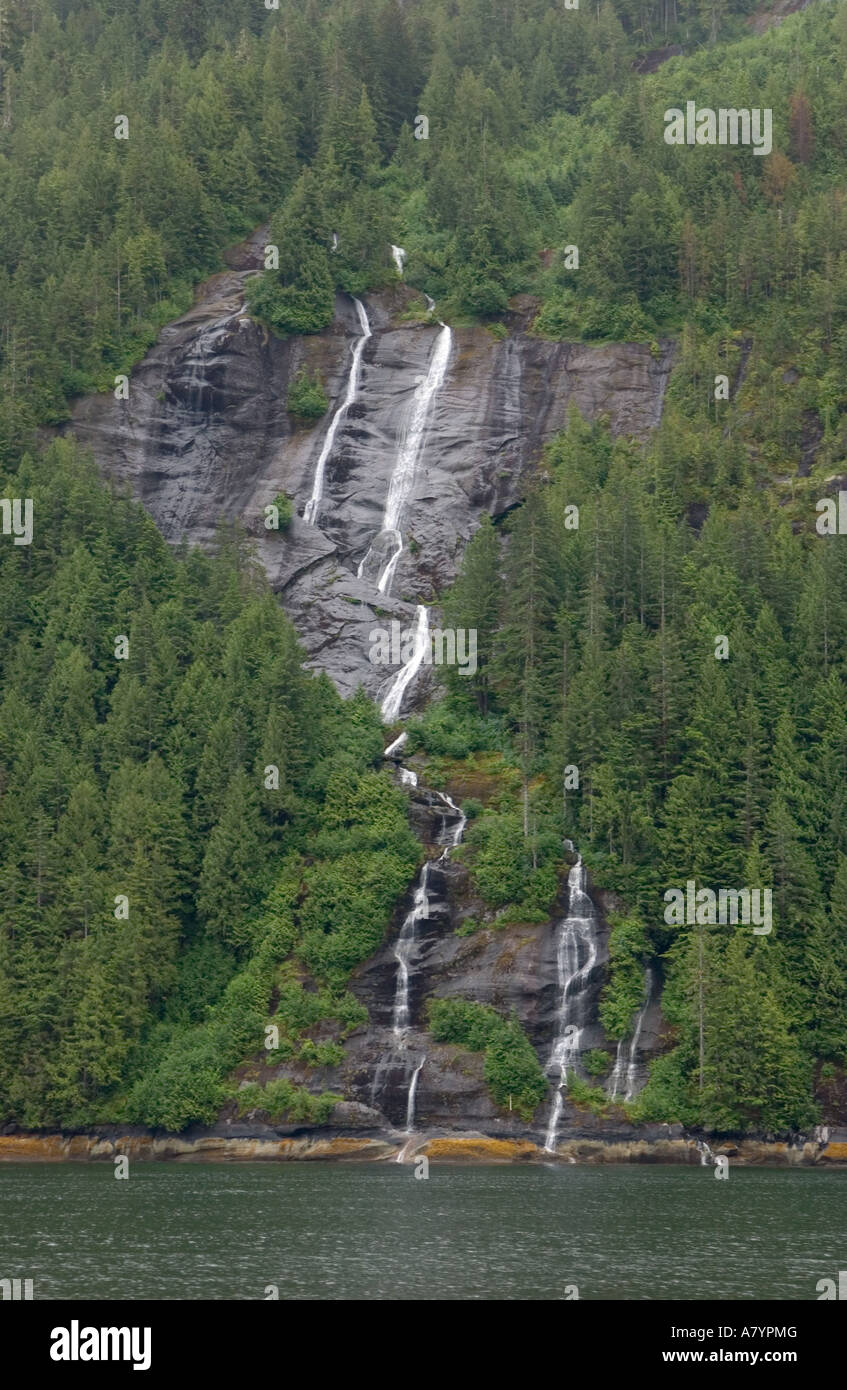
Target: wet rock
350 1114
205 435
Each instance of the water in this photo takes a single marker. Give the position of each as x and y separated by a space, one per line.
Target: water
373 1231
209 339
410 1103
398 255
310 513
405 951
406 943
625 1077
576 957
394 748
393 701
402 479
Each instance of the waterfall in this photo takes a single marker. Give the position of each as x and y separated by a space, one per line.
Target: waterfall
406 942
408 778
404 951
398 255
310 512
390 707
576 956
623 1080
403 477
458 830
413 1090
706 1155
203 347
397 744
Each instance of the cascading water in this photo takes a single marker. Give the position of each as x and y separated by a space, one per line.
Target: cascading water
390 707
405 946
402 479
405 951
310 512
398 743
576 957
202 350
398 255
413 1090
624 1077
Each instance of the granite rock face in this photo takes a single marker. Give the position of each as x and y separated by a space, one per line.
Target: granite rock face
205 435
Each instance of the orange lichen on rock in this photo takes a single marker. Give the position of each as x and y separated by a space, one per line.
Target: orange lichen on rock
834 1153
480 1150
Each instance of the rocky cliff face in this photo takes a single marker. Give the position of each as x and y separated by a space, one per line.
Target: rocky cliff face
205 435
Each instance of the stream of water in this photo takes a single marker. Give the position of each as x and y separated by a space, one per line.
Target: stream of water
312 508
576 957
625 1075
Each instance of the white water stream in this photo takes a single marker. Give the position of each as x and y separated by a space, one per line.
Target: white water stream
312 507
403 477
407 944
576 956
391 704
624 1078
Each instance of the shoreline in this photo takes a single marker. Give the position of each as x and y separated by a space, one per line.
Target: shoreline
440 1148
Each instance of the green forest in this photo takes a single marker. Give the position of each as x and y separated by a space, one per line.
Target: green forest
196 835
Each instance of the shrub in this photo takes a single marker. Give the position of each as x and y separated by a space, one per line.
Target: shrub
512 1069
518 914
282 1100
306 397
463 1021
593 1097
285 509
324 1054
596 1062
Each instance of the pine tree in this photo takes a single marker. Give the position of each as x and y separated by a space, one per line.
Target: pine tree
474 604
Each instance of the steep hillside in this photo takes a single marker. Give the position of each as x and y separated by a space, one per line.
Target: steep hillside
494 353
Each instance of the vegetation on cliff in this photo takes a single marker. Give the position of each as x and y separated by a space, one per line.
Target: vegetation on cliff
161 896
179 824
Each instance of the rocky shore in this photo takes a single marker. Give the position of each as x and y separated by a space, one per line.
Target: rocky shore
646 1144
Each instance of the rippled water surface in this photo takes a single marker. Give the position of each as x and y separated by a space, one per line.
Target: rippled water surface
324 1231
